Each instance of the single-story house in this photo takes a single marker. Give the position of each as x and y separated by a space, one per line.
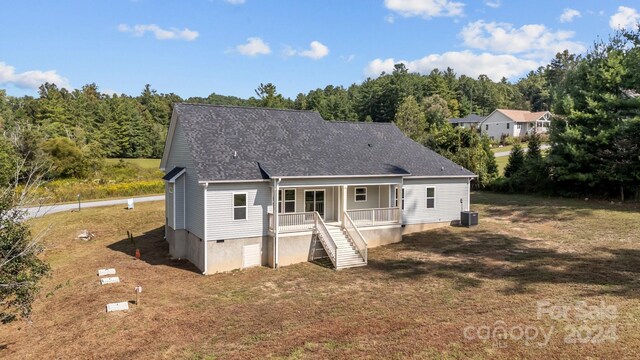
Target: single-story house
516 123
257 186
471 121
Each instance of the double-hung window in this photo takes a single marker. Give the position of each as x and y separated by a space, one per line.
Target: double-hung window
240 206
361 194
431 197
287 201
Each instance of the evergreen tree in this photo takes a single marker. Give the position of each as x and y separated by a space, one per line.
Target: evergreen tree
515 164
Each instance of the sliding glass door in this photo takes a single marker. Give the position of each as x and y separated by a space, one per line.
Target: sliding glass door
314 201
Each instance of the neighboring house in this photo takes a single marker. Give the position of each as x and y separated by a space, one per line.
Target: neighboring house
471 121
338 188
516 123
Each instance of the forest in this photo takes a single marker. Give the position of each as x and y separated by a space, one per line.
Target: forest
593 96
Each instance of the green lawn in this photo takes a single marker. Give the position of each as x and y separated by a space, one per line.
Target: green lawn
502 162
502 149
143 163
417 299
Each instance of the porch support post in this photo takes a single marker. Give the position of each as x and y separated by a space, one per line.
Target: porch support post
343 204
276 221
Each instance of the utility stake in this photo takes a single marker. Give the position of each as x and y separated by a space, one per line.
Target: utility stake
78 202
138 290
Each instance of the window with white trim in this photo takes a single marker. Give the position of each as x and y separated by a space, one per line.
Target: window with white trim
360 194
518 126
431 197
240 206
288 205
401 200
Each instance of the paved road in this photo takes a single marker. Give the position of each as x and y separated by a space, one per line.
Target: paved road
33 212
507 153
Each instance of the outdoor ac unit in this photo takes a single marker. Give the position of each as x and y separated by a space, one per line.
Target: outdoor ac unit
469 218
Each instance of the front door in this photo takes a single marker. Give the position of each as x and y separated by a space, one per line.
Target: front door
314 201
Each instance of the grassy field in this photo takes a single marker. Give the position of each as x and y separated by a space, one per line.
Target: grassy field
504 148
416 299
117 179
152 164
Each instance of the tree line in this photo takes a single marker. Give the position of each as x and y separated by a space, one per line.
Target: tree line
593 97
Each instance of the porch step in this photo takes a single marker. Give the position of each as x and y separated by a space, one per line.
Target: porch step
348 254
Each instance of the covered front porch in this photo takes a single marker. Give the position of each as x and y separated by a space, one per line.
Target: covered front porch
365 205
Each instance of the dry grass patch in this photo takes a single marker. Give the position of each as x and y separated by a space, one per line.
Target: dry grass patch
414 300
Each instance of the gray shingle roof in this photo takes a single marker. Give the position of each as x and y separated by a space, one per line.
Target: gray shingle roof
242 143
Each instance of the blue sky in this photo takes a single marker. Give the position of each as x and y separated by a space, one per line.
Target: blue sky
197 47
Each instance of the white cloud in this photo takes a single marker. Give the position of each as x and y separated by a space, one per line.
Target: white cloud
463 62
625 18
30 79
390 18
533 41
348 58
254 46
317 50
568 15
158 32
425 8
494 4
235 2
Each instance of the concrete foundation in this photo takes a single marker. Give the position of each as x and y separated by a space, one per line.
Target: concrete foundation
379 236
185 245
296 248
414 228
293 248
226 255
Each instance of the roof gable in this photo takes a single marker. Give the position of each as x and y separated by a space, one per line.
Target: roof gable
522 115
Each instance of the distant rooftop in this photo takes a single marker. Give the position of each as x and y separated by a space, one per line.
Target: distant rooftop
472 118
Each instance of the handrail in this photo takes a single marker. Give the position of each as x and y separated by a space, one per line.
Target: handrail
354 234
293 222
375 216
325 238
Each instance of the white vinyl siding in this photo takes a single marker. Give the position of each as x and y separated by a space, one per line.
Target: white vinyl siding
371 201
220 210
168 205
179 189
448 194
498 124
194 199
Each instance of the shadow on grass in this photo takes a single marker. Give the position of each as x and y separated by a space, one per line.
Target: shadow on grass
154 250
490 256
543 207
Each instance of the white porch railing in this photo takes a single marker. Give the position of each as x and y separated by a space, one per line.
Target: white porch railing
356 237
325 238
293 222
374 217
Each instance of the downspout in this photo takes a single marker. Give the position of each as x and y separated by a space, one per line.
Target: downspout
205 186
469 194
276 221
